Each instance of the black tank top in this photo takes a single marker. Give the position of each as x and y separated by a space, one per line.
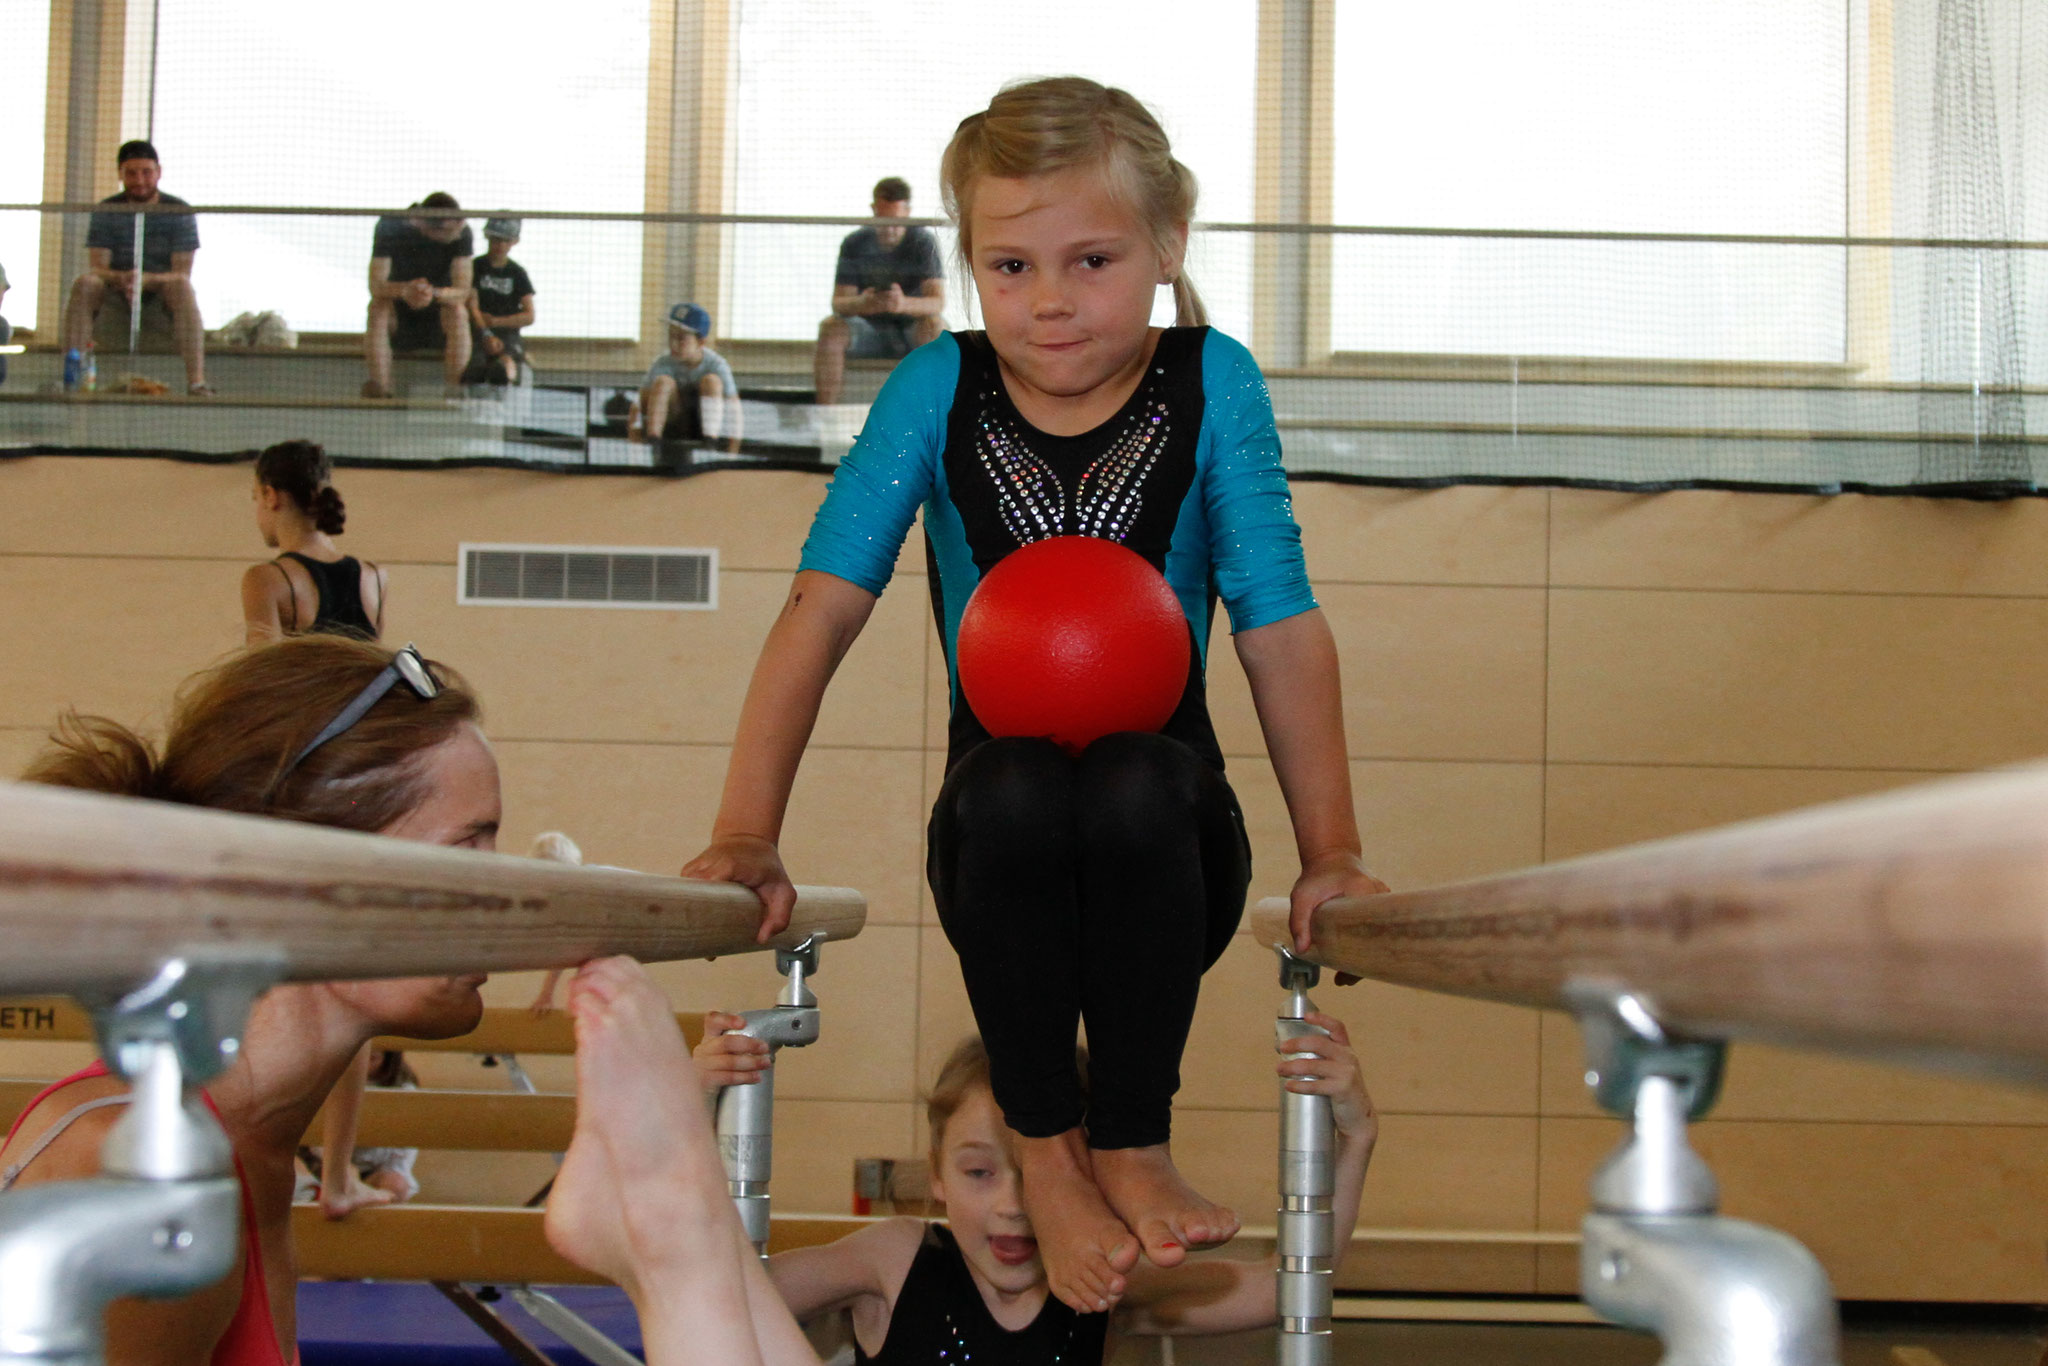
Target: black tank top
338 594
940 1319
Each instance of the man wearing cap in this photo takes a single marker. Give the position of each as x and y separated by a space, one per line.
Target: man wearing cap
419 291
689 393
169 241
887 292
499 305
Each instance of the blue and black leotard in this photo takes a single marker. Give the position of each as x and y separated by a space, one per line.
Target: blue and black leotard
1097 887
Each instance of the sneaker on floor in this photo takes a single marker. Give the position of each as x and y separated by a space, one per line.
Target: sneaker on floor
372 389
201 389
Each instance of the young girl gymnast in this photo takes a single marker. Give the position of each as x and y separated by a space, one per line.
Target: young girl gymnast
1094 888
974 1288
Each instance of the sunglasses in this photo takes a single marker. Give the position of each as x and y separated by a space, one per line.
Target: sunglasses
407 667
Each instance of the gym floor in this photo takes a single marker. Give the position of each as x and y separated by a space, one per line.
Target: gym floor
1996 1337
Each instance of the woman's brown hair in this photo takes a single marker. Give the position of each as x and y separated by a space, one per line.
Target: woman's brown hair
235 727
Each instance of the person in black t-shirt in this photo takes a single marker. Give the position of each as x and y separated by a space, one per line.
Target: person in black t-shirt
499 306
887 293
419 289
169 241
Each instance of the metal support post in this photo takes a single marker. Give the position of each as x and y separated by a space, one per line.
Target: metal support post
1653 1254
1308 1183
165 1218
746 1114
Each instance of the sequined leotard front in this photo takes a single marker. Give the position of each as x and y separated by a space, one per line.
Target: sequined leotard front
1187 474
940 1319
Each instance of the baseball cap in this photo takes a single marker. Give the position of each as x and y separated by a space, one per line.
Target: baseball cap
506 228
690 318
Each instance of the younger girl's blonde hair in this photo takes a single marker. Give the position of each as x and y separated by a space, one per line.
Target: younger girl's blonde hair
1067 122
964 1071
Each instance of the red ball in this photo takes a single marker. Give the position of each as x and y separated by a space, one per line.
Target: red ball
1073 638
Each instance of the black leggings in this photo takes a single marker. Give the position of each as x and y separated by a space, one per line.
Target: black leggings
1096 889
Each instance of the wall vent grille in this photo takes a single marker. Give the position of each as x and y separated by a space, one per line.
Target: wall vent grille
589 576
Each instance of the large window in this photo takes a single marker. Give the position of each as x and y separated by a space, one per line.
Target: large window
25 33
1602 115
523 104
835 94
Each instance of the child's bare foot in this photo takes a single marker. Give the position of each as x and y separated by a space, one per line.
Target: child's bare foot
339 1199
544 1003
1168 1215
1085 1247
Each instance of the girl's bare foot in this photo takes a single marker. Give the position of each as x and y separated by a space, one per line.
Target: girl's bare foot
1085 1247
1149 1195
347 1193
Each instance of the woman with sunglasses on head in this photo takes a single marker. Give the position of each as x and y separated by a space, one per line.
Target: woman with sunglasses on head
320 729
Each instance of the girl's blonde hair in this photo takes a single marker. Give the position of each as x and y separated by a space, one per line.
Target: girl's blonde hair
1067 122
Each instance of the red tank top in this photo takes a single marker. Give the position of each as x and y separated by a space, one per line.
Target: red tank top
251 1336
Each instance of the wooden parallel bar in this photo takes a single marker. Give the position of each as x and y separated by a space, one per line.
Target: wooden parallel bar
513 1029
476 1121
503 1029
1912 925
491 1244
97 891
475 1243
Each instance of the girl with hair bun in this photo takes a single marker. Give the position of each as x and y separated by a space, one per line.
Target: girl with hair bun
1092 890
312 586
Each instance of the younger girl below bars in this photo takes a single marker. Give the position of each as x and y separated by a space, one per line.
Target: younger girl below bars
312 586
1096 888
414 766
973 1288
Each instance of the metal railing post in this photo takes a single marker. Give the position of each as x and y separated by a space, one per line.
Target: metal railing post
165 1218
1307 1243
1654 1254
746 1114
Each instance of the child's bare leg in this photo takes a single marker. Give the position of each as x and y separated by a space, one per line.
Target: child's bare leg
1149 1194
1085 1247
342 1189
641 1197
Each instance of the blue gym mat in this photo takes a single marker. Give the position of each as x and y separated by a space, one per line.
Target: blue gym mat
377 1323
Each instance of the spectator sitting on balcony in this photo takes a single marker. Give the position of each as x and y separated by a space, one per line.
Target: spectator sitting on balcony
169 242
419 291
689 394
499 306
887 292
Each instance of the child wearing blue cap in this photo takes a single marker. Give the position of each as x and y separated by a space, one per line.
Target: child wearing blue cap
689 393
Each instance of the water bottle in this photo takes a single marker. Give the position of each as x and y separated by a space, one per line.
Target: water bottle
74 369
92 366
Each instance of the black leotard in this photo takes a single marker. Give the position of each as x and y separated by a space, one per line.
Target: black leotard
940 1319
337 594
